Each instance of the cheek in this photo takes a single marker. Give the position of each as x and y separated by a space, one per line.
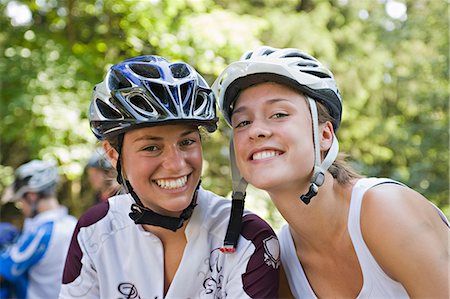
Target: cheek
196 158
239 151
239 144
135 168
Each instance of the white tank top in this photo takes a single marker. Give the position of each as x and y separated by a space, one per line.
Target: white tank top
377 284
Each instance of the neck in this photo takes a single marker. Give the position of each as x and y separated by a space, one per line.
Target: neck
108 191
47 204
166 235
323 220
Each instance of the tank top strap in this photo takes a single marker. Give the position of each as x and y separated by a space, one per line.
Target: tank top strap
368 264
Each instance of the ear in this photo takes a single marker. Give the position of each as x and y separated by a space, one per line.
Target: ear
111 152
326 136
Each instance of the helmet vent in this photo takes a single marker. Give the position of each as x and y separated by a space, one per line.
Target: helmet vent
145 70
185 95
20 182
307 64
118 81
200 101
180 70
294 54
141 103
267 52
247 56
107 111
317 74
162 95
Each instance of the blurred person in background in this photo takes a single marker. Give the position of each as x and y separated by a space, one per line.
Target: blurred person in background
102 176
8 235
34 262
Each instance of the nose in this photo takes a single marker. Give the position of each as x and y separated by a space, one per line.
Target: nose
174 159
259 130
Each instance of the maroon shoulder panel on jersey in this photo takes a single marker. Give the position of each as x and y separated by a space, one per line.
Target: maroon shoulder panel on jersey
261 278
72 267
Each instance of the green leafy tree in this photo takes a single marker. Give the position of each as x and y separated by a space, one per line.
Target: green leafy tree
392 69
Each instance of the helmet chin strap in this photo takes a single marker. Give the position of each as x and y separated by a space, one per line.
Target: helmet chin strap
143 215
318 177
239 185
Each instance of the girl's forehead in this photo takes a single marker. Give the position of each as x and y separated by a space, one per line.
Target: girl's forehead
162 131
267 93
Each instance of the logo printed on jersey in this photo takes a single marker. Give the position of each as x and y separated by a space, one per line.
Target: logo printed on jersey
19 256
212 283
272 252
18 269
129 290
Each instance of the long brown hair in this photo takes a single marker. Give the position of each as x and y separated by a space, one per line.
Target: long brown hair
340 169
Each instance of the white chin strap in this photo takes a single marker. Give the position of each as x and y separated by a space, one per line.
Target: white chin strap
318 176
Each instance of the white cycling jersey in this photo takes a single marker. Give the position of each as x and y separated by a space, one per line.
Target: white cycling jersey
112 257
377 284
34 264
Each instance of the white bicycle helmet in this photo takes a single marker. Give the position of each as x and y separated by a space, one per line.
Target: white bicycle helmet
148 91
297 70
34 176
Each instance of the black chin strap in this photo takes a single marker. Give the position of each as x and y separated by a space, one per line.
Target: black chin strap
142 215
306 198
235 223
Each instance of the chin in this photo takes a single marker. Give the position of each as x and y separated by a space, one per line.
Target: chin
261 183
178 204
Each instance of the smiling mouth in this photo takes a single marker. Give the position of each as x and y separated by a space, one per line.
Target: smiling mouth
172 183
265 154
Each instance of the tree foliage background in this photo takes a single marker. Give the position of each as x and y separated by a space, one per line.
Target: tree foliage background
390 58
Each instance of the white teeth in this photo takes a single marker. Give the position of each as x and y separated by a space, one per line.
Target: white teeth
265 155
172 184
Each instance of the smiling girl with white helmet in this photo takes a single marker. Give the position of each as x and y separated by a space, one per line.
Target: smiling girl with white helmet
163 239
347 236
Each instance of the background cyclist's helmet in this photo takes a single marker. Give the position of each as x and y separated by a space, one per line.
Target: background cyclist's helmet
35 176
148 91
99 160
290 67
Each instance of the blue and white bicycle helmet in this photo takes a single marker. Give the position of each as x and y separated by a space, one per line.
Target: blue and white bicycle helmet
148 91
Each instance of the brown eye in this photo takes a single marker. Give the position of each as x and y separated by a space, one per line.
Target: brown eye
242 124
187 142
151 148
279 115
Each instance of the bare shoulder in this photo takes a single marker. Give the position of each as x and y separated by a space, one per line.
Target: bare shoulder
406 236
397 207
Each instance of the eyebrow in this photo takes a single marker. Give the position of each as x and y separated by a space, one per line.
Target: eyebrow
270 102
158 138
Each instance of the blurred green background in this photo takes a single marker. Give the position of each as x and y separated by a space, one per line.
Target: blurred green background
390 58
